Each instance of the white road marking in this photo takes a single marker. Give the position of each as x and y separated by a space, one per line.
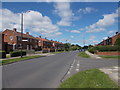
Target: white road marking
78 64
77 67
68 72
77 70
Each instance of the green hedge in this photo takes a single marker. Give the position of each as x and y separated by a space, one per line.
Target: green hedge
104 49
17 53
2 54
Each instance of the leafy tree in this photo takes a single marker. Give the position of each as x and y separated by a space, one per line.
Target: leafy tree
117 42
67 46
74 47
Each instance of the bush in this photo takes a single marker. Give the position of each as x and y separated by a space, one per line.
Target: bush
2 54
17 53
92 50
104 49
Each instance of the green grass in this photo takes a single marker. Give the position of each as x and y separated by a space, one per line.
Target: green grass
93 78
83 54
110 56
19 59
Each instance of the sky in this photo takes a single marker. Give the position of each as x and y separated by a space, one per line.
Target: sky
73 22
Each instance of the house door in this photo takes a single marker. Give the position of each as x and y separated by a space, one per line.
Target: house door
27 47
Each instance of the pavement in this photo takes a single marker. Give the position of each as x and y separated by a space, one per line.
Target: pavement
42 54
48 72
112 72
92 55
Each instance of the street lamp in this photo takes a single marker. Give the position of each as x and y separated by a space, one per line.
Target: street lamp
22 32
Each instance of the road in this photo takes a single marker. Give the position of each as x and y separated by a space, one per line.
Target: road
46 72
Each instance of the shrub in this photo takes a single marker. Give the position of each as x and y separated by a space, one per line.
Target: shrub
104 48
2 54
92 50
17 53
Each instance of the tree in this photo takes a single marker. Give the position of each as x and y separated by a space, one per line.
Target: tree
67 46
74 47
117 42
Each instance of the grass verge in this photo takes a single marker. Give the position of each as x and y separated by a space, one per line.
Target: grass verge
93 78
110 56
19 59
83 54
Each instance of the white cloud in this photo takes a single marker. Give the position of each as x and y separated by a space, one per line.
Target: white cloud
105 38
34 22
87 10
101 24
63 10
108 19
74 31
111 32
72 36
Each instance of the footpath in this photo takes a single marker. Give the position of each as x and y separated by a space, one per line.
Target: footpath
112 72
42 54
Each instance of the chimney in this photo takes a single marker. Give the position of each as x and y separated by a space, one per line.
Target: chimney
14 29
39 36
116 33
27 33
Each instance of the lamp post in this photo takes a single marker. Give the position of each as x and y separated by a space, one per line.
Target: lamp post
21 33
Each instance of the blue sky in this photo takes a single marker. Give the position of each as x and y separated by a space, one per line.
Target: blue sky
69 22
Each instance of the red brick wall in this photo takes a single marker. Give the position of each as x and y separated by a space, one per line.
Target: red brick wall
114 38
108 53
7 35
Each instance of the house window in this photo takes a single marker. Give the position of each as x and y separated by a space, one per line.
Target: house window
19 46
30 40
19 38
35 40
36 46
11 37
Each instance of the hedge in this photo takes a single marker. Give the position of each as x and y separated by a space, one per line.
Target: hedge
2 54
104 49
17 53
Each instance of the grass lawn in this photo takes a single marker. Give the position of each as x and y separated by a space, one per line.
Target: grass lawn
93 78
83 54
110 56
19 59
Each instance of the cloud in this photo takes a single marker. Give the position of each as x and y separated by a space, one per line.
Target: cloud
101 24
63 10
34 22
72 36
111 31
75 31
87 10
105 38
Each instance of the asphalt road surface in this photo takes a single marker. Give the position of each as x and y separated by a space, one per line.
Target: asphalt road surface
46 72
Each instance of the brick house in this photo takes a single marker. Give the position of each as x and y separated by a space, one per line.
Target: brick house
46 45
2 43
58 45
110 40
15 42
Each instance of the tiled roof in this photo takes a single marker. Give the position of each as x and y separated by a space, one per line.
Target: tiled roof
43 39
19 34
